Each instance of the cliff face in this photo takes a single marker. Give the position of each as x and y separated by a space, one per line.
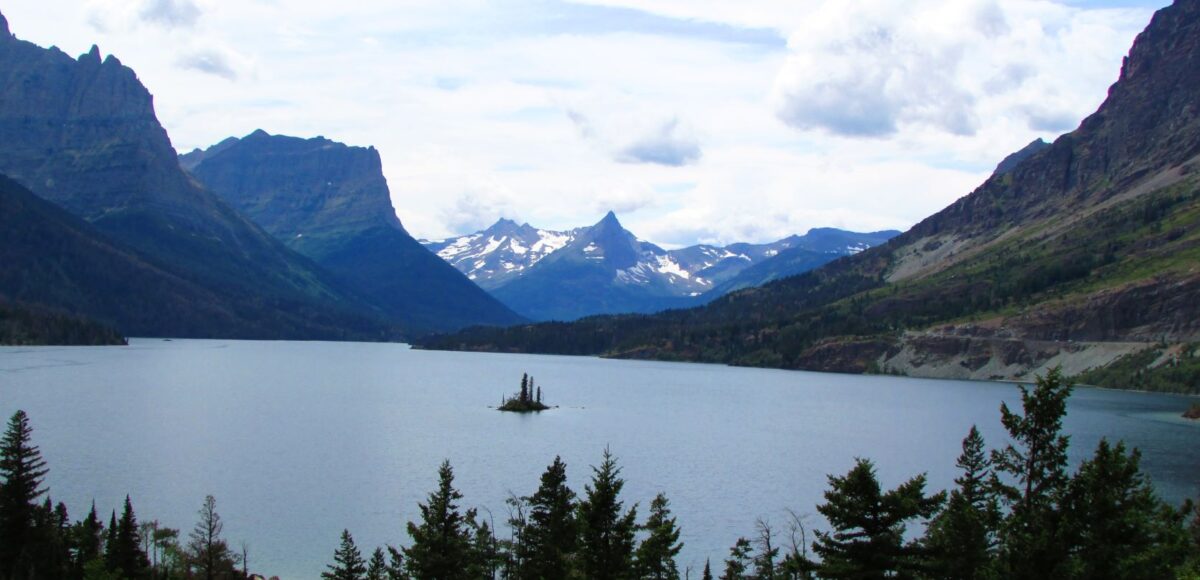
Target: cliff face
331 203
82 133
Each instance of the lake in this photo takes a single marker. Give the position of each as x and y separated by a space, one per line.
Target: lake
298 440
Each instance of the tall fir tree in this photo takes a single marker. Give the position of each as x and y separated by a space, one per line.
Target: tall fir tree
707 574
127 555
22 470
868 537
1034 470
549 533
656 554
88 541
377 568
348 562
1116 526
441 542
606 539
961 539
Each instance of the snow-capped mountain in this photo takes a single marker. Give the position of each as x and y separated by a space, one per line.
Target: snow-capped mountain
497 255
604 268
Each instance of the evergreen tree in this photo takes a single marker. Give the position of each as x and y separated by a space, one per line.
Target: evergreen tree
1116 526
395 567
1031 542
442 541
961 538
22 470
707 575
549 535
524 396
868 537
87 542
606 539
208 555
739 561
377 568
347 561
656 554
110 543
127 556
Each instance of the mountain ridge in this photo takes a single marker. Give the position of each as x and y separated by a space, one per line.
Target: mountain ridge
604 268
1085 252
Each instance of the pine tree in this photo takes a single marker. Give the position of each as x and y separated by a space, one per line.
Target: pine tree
738 563
656 554
1115 524
395 567
606 538
127 555
22 470
962 537
377 568
88 540
707 571
868 537
549 535
347 561
1031 543
110 543
442 541
524 396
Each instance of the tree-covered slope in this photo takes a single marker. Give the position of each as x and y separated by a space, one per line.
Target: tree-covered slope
1085 251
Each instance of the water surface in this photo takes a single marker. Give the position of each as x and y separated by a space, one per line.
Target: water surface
298 440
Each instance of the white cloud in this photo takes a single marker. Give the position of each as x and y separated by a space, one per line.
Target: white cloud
668 145
483 111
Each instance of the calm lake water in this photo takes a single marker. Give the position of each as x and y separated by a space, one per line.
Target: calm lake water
299 440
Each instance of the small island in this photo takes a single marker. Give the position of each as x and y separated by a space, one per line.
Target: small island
528 400
1193 413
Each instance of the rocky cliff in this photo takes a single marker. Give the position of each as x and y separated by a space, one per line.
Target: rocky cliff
331 203
82 133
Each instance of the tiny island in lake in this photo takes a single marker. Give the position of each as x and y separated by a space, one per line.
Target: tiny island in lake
527 400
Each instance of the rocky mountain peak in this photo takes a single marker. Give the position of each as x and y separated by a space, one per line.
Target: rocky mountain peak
4 33
92 57
609 221
1013 160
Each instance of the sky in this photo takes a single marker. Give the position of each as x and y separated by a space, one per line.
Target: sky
696 121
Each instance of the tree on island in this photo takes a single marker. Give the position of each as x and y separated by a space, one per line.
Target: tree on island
527 400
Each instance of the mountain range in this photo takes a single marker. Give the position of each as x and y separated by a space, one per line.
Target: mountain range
81 134
1079 253
605 268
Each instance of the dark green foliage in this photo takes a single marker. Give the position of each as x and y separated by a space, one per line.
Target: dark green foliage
88 539
606 539
377 568
962 537
1034 470
441 542
868 537
549 535
126 556
22 470
1179 374
656 555
1116 527
737 566
526 400
348 562
25 324
707 575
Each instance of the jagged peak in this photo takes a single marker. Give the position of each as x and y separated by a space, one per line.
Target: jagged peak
4 32
92 56
609 220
